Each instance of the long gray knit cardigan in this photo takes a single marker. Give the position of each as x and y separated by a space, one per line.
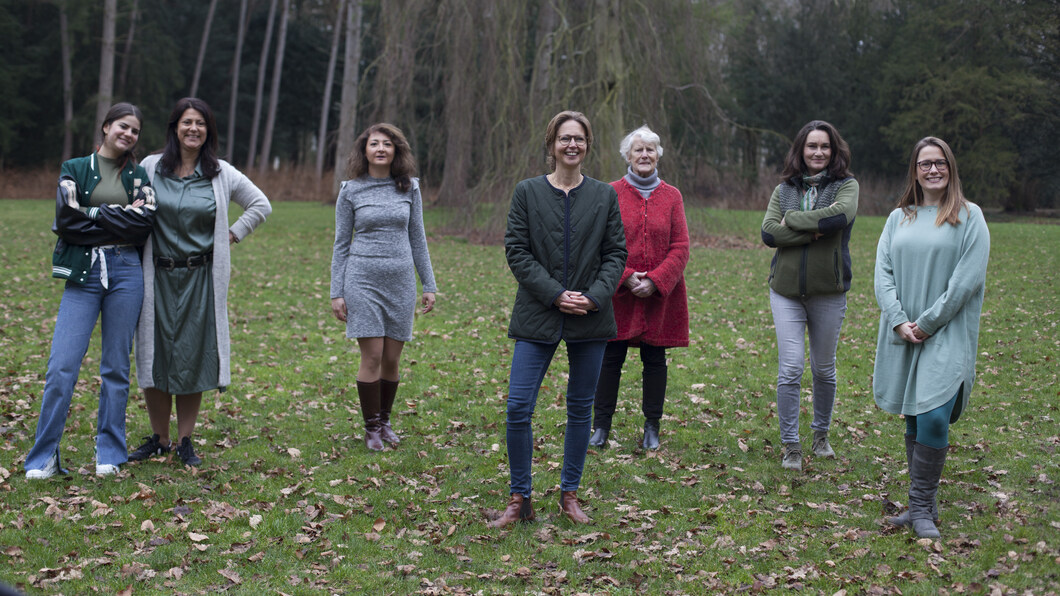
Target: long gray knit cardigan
228 185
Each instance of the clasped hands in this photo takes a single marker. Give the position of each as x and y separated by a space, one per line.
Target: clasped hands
640 285
573 303
911 333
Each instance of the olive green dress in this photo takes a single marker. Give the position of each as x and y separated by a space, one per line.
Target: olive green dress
186 358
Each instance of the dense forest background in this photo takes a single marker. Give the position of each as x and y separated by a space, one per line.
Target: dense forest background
473 83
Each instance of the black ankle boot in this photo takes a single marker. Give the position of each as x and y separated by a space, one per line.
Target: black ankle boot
651 434
599 438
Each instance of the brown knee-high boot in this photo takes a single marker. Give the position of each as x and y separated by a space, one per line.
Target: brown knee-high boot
369 396
387 393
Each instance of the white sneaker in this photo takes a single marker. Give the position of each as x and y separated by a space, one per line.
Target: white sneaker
106 469
49 470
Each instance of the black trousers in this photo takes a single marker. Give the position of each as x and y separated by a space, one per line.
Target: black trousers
654 378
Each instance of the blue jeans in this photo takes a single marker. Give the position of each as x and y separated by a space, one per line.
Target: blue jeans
81 305
529 364
822 317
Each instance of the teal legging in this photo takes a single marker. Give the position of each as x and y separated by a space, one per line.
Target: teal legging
932 428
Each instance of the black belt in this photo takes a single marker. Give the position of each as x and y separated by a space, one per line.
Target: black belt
169 264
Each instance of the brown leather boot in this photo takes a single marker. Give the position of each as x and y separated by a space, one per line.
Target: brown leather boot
568 504
519 509
369 396
387 393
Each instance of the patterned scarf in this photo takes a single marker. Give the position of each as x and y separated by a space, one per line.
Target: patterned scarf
793 196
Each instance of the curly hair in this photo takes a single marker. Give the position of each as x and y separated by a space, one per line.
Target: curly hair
913 195
402 169
838 167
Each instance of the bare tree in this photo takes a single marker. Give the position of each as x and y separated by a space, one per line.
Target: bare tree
126 55
106 67
274 95
68 85
458 21
202 48
260 91
325 107
233 100
348 100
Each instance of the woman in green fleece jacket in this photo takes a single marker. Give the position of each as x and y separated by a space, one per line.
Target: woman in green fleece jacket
930 282
808 221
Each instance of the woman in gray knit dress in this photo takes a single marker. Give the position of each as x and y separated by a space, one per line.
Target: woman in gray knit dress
373 288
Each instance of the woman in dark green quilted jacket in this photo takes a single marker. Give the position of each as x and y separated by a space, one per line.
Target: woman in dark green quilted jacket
567 249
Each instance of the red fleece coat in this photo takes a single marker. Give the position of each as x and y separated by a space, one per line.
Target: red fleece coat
657 241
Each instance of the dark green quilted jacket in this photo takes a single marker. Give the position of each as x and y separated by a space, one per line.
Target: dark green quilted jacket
556 242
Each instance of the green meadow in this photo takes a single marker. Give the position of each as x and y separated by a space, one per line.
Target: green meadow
289 501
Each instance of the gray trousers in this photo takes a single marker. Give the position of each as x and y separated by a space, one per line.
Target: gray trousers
822 317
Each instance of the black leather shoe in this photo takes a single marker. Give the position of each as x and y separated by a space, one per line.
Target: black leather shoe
599 438
651 435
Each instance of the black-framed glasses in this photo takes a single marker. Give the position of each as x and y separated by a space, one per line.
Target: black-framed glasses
565 141
940 164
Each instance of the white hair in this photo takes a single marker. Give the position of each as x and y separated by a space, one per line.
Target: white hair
645 134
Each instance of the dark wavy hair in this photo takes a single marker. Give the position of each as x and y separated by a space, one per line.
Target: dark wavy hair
552 130
170 161
838 167
402 169
118 111
913 195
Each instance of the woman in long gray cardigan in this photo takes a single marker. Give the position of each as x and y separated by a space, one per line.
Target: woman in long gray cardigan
567 249
182 343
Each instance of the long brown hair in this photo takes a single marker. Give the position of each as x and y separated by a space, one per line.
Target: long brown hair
953 199
170 161
838 167
553 129
121 110
402 169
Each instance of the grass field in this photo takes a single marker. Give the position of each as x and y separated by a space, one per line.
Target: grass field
290 501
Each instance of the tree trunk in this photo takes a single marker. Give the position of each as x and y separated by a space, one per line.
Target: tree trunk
260 90
348 101
325 107
68 85
274 95
397 63
106 68
202 48
233 100
459 25
123 76
547 20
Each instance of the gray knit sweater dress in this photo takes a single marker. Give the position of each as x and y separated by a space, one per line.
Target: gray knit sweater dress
379 239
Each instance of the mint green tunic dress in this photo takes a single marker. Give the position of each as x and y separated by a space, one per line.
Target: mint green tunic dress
934 276
186 358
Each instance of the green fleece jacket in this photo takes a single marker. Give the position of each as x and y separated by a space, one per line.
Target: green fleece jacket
556 242
812 256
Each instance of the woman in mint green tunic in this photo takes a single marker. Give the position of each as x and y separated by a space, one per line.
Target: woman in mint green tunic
930 281
182 343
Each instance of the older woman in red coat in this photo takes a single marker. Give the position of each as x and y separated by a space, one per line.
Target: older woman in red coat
651 303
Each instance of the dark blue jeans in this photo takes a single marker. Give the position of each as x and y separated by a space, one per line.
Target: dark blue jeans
118 305
530 362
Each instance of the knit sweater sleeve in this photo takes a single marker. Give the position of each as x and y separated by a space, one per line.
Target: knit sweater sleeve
884 282
775 234
968 276
421 257
671 270
830 219
343 236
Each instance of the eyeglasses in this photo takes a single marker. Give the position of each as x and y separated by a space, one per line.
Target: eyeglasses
940 164
565 141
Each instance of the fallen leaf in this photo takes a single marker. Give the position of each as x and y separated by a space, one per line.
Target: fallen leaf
255 521
197 537
231 575
379 525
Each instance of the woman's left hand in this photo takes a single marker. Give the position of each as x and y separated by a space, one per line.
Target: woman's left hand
232 238
918 332
428 302
645 288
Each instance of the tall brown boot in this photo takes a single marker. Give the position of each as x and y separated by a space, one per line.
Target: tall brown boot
568 504
369 396
387 393
518 509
